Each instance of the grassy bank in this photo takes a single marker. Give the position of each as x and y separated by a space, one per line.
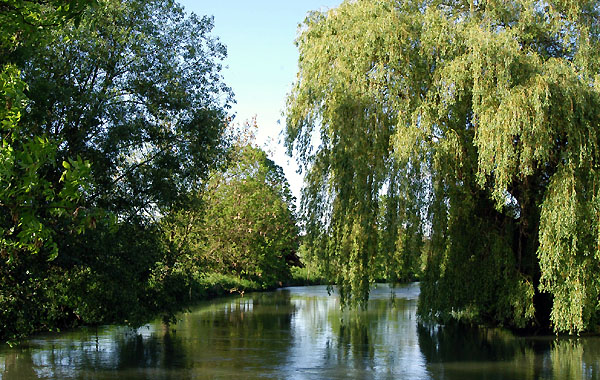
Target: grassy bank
216 284
305 276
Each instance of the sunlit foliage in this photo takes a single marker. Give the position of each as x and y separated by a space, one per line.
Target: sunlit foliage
243 224
33 207
484 117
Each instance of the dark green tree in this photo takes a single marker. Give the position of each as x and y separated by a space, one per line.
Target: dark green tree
135 88
33 208
121 119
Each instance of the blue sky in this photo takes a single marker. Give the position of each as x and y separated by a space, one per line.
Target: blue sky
262 61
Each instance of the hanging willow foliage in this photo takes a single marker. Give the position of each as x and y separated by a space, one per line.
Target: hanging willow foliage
483 118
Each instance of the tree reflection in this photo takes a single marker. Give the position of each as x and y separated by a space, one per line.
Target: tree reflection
225 337
464 343
354 344
18 365
576 358
379 342
163 349
247 333
461 352
306 335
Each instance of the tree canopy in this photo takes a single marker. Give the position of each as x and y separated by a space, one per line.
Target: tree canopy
483 117
136 89
112 114
243 222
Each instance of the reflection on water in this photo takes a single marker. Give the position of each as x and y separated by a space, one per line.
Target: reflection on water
459 352
300 333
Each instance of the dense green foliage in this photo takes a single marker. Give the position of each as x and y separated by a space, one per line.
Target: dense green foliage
479 122
33 206
111 116
244 223
134 88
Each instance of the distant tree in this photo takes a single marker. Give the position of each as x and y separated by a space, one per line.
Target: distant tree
249 221
246 223
485 113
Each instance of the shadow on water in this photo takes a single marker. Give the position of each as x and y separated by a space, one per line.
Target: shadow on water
463 352
120 353
162 350
217 340
301 333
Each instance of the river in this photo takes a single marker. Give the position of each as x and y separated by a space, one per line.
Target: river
300 333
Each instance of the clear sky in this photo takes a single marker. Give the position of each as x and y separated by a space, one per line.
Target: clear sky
262 61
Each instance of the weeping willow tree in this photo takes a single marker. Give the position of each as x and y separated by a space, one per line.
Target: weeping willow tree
479 121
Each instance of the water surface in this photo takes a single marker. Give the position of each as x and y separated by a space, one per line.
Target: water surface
300 333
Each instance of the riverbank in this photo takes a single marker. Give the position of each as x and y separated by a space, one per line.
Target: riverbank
208 286
216 284
162 299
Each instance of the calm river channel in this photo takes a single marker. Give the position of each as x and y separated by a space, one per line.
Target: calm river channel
300 333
